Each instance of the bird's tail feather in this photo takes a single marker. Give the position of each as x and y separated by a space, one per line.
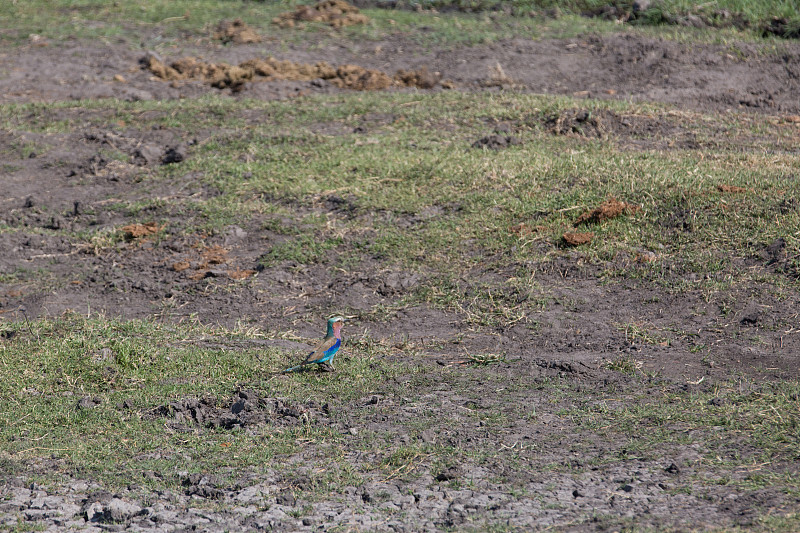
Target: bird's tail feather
294 368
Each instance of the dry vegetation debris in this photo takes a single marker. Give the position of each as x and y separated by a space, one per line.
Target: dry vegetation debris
733 189
336 13
524 229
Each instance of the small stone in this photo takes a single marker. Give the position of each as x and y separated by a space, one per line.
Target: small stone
353 431
68 510
79 486
118 510
131 94
95 512
38 514
147 154
234 234
119 78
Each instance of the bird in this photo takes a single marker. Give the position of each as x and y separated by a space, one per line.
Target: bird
326 349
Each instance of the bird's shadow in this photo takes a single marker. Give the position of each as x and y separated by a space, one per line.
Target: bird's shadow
322 368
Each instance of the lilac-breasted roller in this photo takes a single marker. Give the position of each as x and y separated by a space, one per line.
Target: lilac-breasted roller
324 352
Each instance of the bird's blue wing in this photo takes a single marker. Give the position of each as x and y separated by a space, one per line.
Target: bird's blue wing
324 351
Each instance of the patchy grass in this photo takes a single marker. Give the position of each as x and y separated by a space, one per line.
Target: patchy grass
460 23
53 364
745 433
748 432
413 198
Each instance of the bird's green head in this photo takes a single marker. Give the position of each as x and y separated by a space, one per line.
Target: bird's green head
335 325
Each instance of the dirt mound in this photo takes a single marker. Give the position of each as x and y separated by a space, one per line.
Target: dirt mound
497 142
497 78
336 13
245 409
782 27
576 122
223 75
422 78
360 79
273 69
142 152
219 75
630 131
611 208
207 262
237 32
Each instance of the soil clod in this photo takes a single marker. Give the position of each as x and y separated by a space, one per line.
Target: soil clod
577 239
497 142
138 231
611 208
237 32
751 315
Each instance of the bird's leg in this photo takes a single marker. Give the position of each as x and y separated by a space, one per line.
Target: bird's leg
326 367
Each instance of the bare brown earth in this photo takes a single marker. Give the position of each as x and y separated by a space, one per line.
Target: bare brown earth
184 276
626 67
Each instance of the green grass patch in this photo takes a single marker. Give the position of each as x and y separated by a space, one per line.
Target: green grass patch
749 433
128 369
